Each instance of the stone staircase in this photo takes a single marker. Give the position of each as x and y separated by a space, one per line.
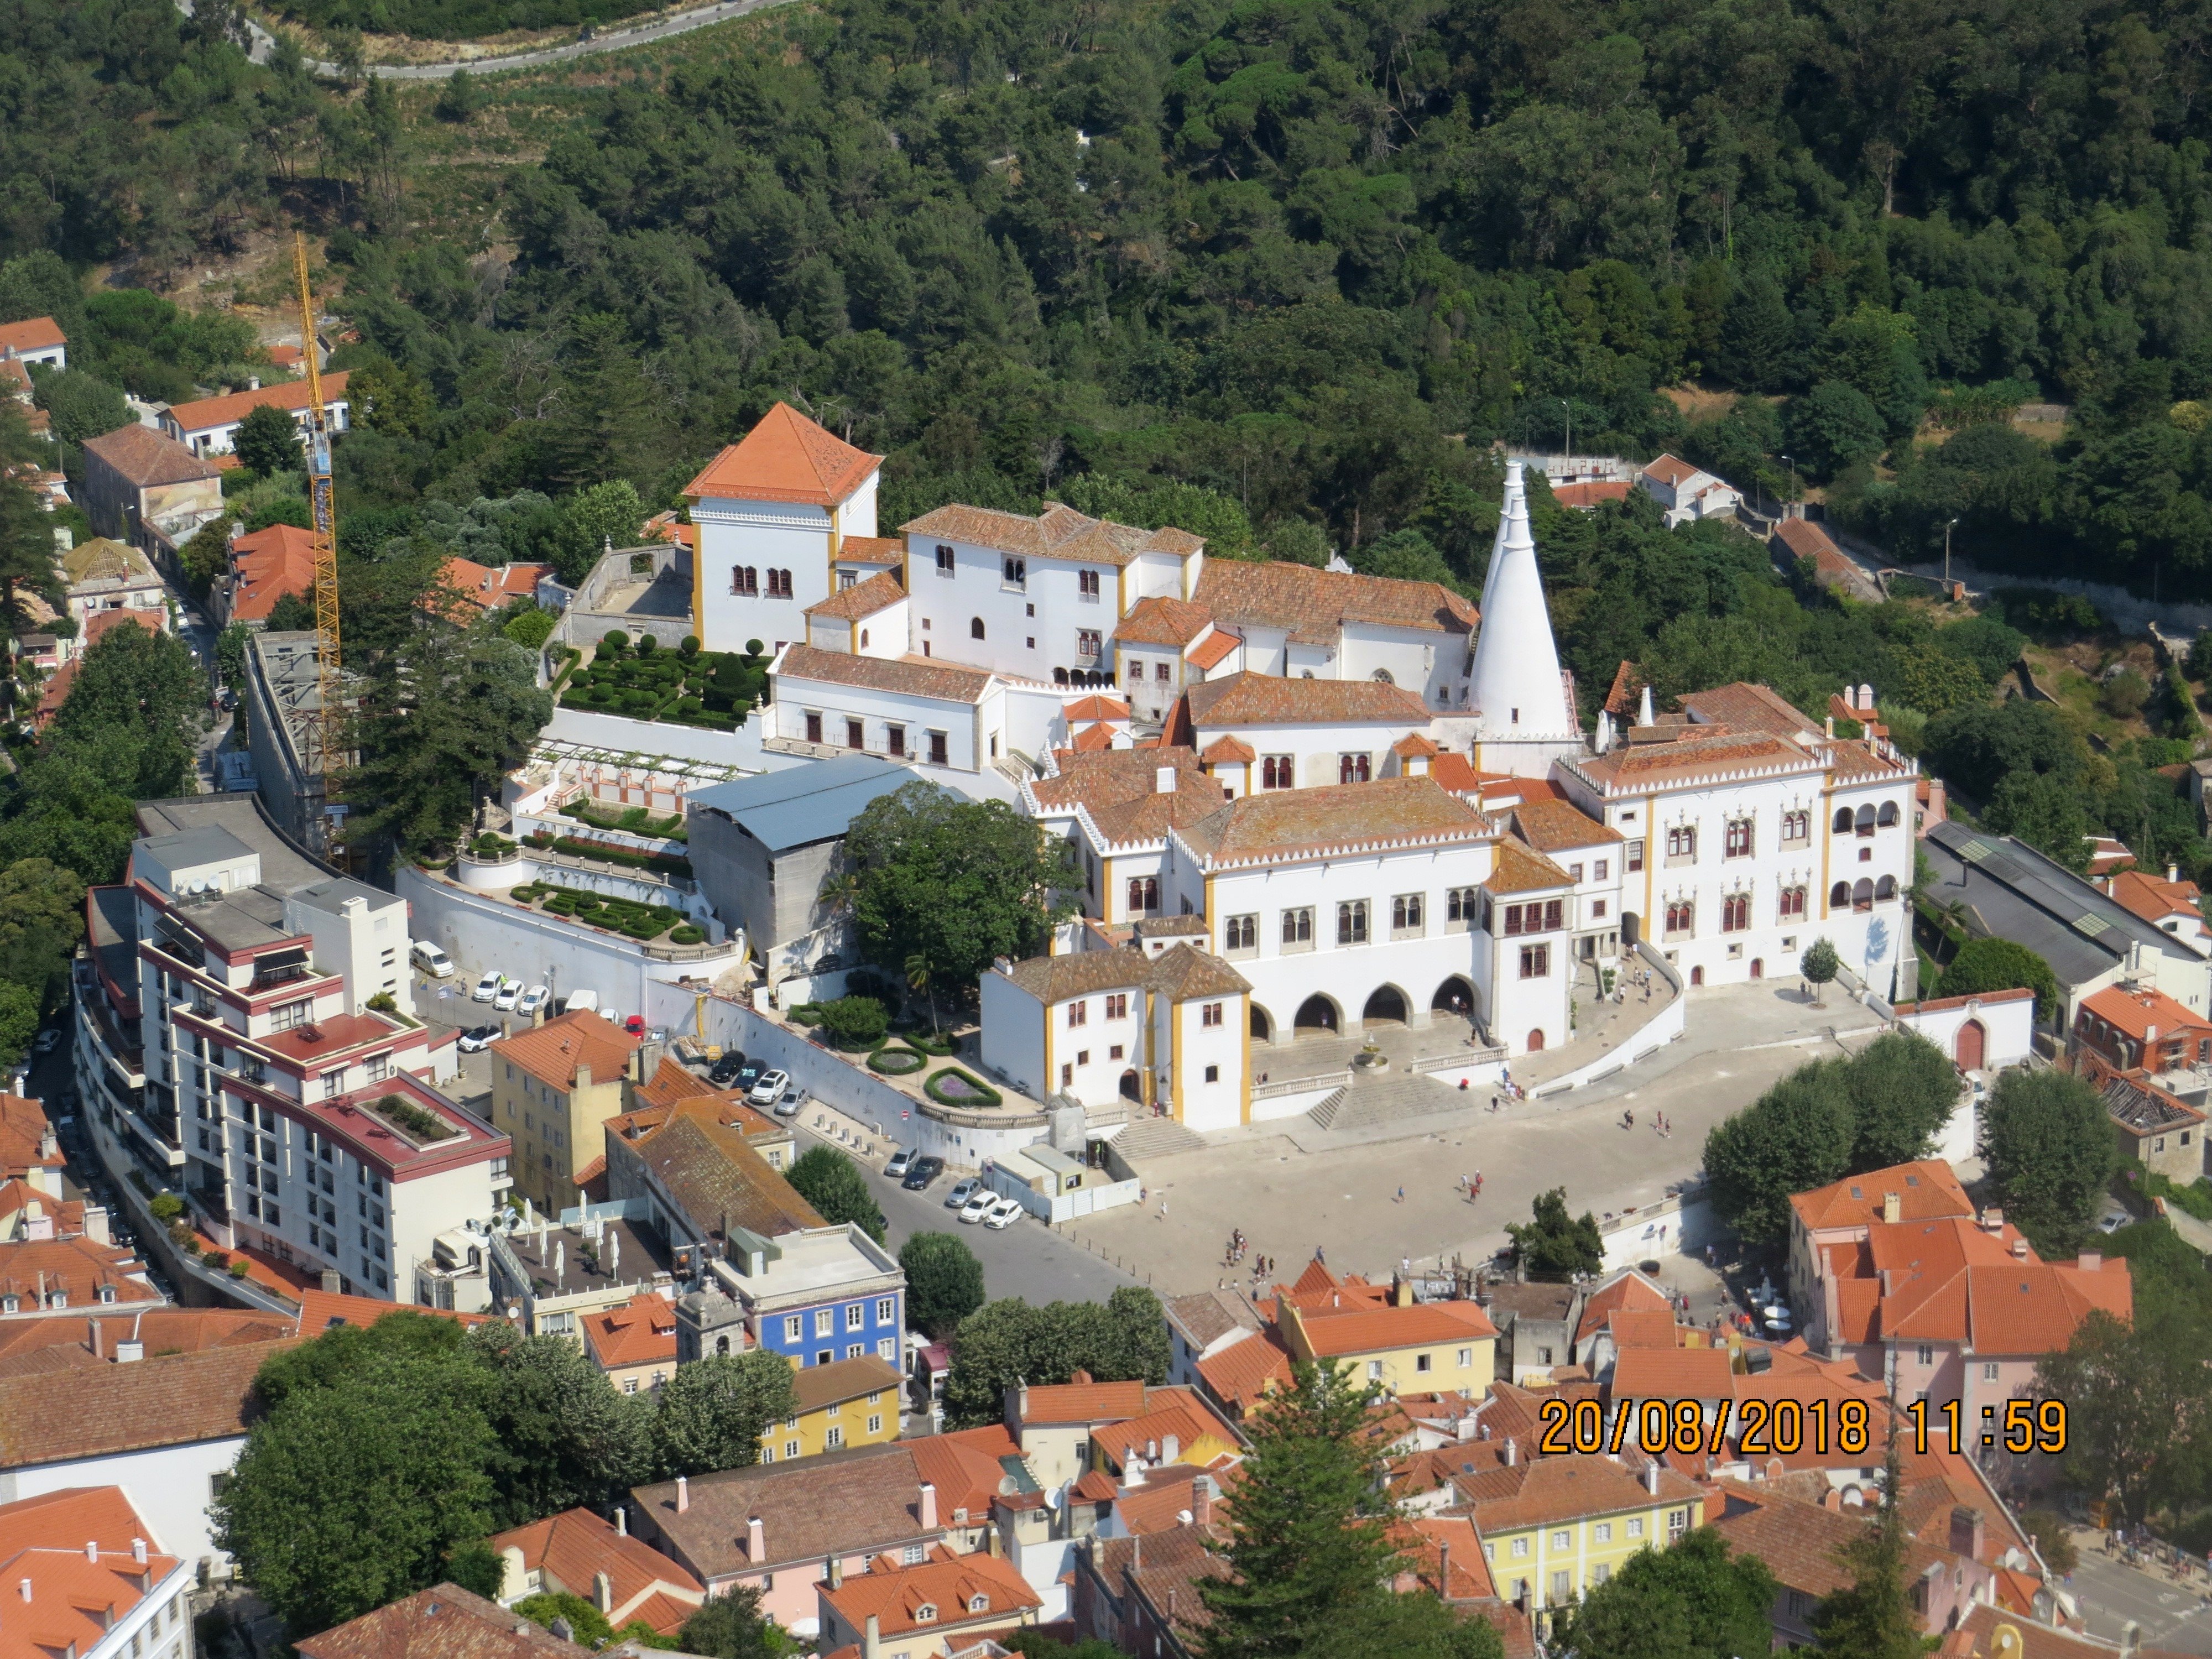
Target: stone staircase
1155 1137
1372 1103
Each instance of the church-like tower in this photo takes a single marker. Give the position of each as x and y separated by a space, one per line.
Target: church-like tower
1523 719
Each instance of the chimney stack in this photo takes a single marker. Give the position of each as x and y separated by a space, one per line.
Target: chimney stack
1651 1477
836 1572
2090 1261
2020 1249
1512 1451
756 1540
1164 781
1443 1571
872 1639
1893 1206
1966 1533
92 1549
98 1351
603 1592
683 1493
1171 1450
1464 1429
928 1507
130 1353
622 1520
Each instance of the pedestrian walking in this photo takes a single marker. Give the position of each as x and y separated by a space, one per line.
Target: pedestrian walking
1163 1206
1401 1193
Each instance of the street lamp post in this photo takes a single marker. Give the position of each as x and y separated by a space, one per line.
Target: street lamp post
1791 463
1569 409
1947 555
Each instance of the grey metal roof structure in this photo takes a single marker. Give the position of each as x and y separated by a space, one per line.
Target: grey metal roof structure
804 804
2012 891
284 865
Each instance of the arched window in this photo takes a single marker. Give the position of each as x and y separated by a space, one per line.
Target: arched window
744 579
1888 816
1842 820
1865 822
864 639
1862 895
1885 888
1383 674
1793 904
975 627
721 1344
1059 676
1840 895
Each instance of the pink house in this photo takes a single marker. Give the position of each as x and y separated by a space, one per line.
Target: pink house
1836 1217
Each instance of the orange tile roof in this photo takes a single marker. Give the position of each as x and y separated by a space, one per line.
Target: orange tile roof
1213 649
1229 751
1163 620
844 1380
1629 1293
1176 1412
1362 817
176 1400
1169 1497
1643 1329
1084 1402
147 456
1416 746
1952 1281
576 1546
1927 1190
1806 539
80 1267
465 589
1552 826
870 550
1429 1540
951 1588
640 1332
1058 533
1671 469
320 1311
1096 707
1311 604
862 599
1250 698
72 1593
1456 773
553 1052
1370 1330
1244 1372
1120 790
26 1138
785 458
1538 1491
32 334
291 396
1523 870
442 1622
966 1467
1672 1373
1587 495
2141 1011
269 564
1094 740
2154 900
46 1345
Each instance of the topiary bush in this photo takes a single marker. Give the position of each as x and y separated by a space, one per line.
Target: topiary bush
648 644
895 1061
613 642
689 647
855 1024
805 1013
687 934
931 1043
954 1087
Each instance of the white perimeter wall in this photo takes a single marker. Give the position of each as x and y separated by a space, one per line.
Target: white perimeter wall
170 1487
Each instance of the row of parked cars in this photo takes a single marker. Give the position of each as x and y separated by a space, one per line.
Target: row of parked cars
971 1198
761 1084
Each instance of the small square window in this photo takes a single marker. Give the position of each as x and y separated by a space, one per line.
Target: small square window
1214 1074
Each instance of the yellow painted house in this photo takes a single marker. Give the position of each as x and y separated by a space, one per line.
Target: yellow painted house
1552 1528
846 1402
1408 1347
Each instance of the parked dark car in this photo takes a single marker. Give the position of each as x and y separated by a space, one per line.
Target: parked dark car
725 1068
748 1073
924 1171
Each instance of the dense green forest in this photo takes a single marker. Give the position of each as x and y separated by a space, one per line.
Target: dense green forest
1280 270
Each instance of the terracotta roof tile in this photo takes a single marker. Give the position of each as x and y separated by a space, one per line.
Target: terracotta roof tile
1552 826
1118 790
575 1546
862 1499
1671 1373
1691 756
443 1622
1094 740
291 396
1213 650
870 550
73 1554
1522 869
1250 698
2139 1011
147 456
1369 1330
1095 706
1671 469
879 592
712 1172
1084 1402
1388 811
1312 604
267 565
1539 1491
1229 751
2154 900
321 1310
640 1332
1926 1191
1058 533
843 1380
1162 620
172 1402
908 675
553 1053
1205 1316
1806 539
1244 1372
785 458
1628 1292
966 1468
32 334
1743 706
1415 746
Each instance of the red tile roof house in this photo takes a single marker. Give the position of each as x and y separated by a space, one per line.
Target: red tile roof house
465 590
1839 1214
164 1429
94 1579
2137 1028
442 1622
941 1605
1960 1310
264 568
207 426
577 1551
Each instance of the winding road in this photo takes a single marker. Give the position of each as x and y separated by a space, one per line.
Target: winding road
616 39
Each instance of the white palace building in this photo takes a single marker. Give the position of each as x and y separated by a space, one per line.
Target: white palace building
1301 801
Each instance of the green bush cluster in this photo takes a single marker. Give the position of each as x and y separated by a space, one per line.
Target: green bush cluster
704 687
637 821
896 1059
974 1091
687 933
667 863
855 1024
631 917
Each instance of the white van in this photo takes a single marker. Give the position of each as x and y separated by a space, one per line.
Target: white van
430 959
584 1000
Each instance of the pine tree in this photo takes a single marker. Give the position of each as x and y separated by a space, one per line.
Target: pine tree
1309 1536
1757 336
1874 1618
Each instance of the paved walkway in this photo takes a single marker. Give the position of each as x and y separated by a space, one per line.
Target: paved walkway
617 40
1291 1186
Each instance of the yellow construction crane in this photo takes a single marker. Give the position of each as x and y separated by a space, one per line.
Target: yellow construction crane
324 745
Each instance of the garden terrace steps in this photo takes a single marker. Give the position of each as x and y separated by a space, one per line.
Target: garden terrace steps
1369 1103
1156 1137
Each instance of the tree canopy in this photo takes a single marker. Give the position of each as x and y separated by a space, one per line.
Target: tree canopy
944 1282
2049 1146
1124 1340
838 1190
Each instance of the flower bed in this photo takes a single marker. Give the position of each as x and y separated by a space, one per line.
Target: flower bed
893 1060
607 852
931 1043
954 1087
628 917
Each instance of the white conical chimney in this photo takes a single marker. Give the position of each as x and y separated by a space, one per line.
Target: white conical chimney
1643 715
1519 700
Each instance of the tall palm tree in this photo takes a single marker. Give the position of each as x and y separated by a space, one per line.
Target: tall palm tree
918 979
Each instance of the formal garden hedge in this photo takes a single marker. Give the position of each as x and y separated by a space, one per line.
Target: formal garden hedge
955 1087
629 917
669 864
930 1042
637 821
647 682
893 1059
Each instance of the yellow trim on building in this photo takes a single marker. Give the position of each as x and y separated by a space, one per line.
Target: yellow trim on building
1650 860
836 541
1827 839
1174 1060
849 1417
1245 1116
1106 890
1046 1080
699 582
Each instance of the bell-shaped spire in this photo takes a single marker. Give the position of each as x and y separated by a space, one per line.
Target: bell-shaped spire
1517 691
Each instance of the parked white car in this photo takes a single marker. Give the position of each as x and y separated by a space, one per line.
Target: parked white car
430 959
533 999
769 1089
488 986
1004 1214
980 1203
509 993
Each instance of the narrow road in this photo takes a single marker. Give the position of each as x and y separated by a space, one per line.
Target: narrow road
617 40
